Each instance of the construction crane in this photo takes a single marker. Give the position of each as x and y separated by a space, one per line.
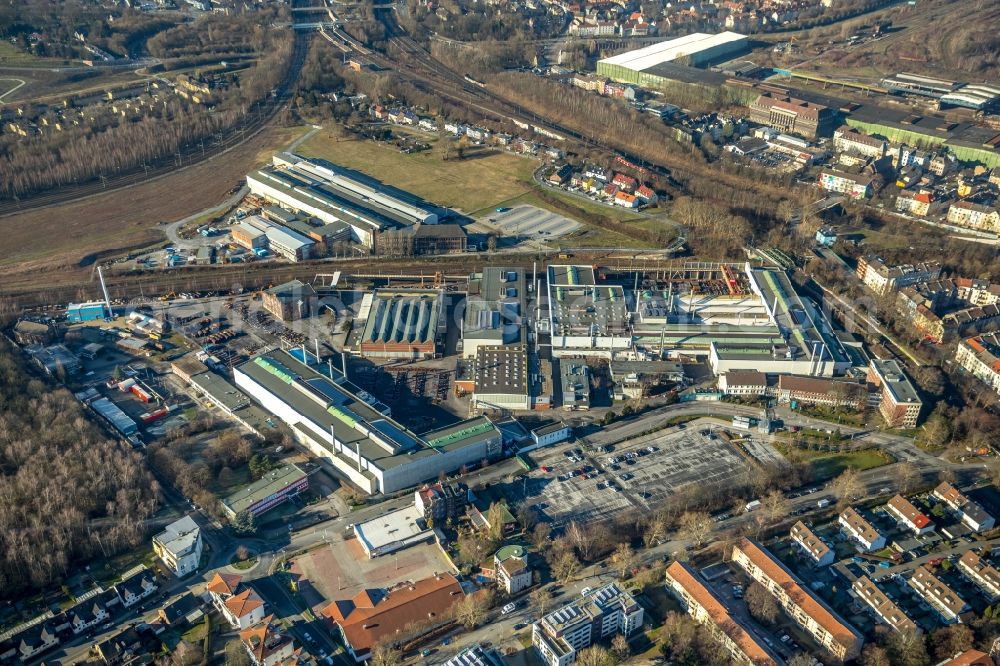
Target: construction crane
734 286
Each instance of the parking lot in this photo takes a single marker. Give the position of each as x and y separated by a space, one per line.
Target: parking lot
530 222
638 473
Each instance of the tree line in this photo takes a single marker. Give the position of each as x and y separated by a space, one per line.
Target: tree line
68 493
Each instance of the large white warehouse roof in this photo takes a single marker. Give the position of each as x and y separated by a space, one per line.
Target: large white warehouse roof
672 49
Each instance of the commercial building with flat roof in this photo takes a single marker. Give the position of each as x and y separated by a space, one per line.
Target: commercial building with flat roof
255 232
335 195
817 619
696 49
291 301
502 380
708 609
376 453
574 377
267 492
584 317
403 324
881 605
899 404
392 531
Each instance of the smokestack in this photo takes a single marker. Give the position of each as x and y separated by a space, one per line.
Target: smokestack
104 288
343 364
329 367
316 340
334 438
357 450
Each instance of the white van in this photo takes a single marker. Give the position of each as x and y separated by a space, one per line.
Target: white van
509 608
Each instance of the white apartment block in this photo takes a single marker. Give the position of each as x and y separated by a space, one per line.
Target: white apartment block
603 612
179 546
817 619
980 357
860 531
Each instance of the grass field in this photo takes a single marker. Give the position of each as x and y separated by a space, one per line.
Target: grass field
827 465
11 56
480 181
53 241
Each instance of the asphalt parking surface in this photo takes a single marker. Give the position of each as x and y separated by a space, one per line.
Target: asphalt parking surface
529 221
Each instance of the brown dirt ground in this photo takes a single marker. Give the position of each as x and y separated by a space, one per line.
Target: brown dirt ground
53 241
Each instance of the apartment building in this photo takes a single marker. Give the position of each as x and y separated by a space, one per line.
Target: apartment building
981 573
811 545
980 357
882 278
817 619
241 606
881 605
708 609
847 139
860 531
179 546
945 601
965 509
974 216
911 202
608 610
853 185
905 513
899 403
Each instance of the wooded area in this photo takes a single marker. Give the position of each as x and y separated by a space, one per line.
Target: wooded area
67 491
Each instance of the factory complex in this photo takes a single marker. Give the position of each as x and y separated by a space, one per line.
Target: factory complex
734 316
360 440
335 197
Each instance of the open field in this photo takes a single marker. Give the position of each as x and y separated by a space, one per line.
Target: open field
827 465
480 181
11 56
55 241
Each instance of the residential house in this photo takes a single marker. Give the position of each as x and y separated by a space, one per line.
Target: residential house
707 609
560 174
646 195
267 645
983 575
969 658
87 614
853 185
136 587
626 200
905 513
916 203
239 604
811 545
808 611
946 602
966 509
441 502
860 531
179 546
377 616
35 640
625 182
125 647
512 571
980 357
881 605
183 611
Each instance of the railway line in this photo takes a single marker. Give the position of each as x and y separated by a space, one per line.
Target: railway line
254 121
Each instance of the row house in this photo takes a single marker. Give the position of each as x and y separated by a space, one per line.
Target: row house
966 509
920 203
812 546
945 601
982 574
908 515
136 587
881 605
852 185
860 530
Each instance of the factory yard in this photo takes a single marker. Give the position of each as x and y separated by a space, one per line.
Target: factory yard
645 471
528 223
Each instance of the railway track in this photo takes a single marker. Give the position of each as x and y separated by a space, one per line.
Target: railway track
254 121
